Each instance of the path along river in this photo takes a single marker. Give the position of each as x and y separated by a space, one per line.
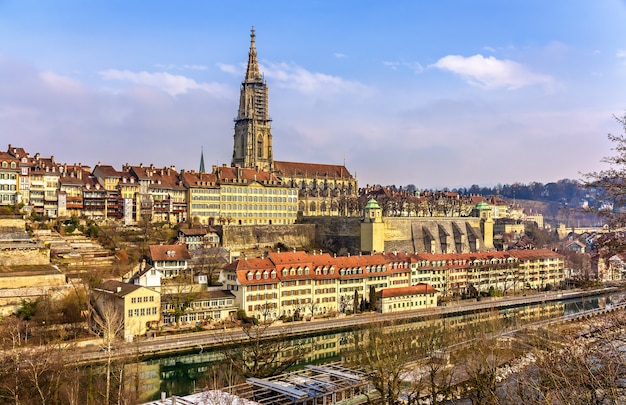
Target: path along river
181 373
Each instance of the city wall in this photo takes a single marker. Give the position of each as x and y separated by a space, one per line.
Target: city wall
342 235
405 234
22 256
242 237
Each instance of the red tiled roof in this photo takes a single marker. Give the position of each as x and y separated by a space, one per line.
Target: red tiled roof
169 252
298 169
106 171
195 179
418 289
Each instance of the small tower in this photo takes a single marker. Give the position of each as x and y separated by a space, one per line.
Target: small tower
486 224
201 170
252 146
372 228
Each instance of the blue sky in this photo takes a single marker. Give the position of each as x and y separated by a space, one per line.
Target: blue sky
432 93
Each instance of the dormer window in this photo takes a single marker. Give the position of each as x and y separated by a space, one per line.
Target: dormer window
250 275
265 275
285 271
258 275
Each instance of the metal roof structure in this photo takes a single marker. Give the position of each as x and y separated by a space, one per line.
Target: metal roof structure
328 384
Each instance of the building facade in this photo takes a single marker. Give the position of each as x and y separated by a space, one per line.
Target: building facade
290 283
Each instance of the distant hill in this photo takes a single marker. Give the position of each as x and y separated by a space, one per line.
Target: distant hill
555 213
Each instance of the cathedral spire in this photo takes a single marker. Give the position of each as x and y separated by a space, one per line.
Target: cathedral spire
201 160
252 72
252 147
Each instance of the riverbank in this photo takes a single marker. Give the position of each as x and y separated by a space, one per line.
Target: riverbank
200 340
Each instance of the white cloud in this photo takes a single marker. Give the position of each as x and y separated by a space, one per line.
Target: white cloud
621 53
172 84
232 69
489 49
339 55
391 65
294 77
415 67
491 73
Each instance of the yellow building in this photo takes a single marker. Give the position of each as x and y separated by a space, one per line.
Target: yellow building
409 298
288 283
138 308
203 197
251 197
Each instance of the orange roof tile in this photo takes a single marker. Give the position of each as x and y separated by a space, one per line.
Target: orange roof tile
169 252
418 289
298 169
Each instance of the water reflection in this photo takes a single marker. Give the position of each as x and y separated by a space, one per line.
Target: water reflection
181 374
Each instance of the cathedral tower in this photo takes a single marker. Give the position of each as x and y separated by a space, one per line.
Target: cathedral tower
253 138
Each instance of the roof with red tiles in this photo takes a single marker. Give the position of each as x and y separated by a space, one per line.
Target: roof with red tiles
106 171
195 179
169 252
418 289
16 151
228 174
298 169
333 266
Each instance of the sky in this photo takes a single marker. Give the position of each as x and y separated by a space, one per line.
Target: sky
438 94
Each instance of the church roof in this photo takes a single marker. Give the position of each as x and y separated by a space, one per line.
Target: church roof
309 170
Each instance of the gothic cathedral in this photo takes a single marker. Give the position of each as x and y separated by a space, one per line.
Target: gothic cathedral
323 189
253 137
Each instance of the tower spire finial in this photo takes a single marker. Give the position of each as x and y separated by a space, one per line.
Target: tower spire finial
201 159
252 72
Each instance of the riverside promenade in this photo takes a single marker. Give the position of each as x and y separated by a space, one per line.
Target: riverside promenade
189 341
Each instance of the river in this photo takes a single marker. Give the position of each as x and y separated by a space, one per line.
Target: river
181 374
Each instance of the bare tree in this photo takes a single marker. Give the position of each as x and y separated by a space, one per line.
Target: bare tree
384 352
572 365
108 323
437 374
263 353
610 185
482 355
209 260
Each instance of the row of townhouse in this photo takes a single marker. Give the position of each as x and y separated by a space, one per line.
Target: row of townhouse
231 195
285 283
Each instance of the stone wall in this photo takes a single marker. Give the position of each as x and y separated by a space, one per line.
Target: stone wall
433 234
342 235
243 237
34 279
339 235
12 222
22 256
